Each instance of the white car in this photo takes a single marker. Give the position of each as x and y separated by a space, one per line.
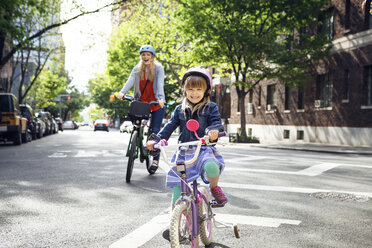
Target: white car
126 127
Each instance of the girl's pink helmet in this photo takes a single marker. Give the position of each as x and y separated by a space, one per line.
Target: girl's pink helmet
198 71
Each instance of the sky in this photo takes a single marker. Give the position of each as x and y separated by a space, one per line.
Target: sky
86 41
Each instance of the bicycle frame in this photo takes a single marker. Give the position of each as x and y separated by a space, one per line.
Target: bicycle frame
140 128
191 195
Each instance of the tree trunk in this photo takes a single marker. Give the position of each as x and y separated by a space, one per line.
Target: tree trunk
241 101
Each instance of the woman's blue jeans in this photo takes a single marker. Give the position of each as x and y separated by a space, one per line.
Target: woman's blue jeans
156 120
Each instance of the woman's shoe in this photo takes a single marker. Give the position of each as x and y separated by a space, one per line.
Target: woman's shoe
154 166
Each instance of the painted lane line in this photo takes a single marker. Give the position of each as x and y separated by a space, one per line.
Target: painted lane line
316 170
149 230
144 233
255 220
312 171
57 155
289 189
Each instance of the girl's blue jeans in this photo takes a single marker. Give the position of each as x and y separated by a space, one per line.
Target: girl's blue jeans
156 120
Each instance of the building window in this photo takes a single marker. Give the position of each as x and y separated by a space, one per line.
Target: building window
300 98
250 99
347 14
368 85
326 25
367 14
271 97
286 134
300 135
287 98
324 91
346 89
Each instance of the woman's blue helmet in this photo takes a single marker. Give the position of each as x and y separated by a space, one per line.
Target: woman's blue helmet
147 48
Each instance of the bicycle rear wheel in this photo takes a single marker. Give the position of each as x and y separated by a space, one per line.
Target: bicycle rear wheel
205 227
132 156
180 230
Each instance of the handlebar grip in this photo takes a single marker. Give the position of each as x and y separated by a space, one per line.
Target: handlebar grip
221 134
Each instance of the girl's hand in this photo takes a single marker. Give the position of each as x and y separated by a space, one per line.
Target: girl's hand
213 135
161 103
150 144
120 95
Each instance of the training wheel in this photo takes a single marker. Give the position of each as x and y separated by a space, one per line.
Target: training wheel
236 231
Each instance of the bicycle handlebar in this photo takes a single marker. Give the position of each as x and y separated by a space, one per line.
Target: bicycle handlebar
131 99
202 141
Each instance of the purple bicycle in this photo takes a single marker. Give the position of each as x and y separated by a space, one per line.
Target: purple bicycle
192 215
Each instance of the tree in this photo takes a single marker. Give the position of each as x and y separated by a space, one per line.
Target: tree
52 81
257 39
10 30
148 22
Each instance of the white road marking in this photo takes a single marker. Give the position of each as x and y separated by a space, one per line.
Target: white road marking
144 233
147 231
57 155
315 170
254 220
289 189
318 169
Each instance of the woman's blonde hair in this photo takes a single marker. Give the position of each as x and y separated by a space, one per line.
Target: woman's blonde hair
150 75
195 82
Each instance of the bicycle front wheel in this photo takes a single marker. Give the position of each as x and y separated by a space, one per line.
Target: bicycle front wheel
180 229
205 226
132 156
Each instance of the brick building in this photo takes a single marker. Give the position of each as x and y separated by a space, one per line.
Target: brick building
335 107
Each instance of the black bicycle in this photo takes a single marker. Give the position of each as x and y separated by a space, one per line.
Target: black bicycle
139 114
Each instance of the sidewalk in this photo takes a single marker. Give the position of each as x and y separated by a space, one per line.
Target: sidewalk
311 147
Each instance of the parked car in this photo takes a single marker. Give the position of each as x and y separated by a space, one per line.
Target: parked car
59 123
48 124
33 123
101 125
53 123
126 127
70 125
13 126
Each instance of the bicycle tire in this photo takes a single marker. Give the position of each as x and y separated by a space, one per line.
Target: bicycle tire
148 161
205 226
181 227
132 156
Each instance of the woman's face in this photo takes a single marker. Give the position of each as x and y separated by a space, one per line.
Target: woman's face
146 58
195 94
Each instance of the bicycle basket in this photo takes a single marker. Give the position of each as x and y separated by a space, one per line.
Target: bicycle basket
139 110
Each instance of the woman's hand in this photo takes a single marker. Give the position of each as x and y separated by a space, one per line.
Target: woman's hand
161 103
213 135
149 145
120 96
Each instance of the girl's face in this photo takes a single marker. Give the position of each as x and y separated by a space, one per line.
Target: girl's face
195 95
146 58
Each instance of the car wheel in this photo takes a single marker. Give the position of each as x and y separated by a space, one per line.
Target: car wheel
34 133
17 140
24 137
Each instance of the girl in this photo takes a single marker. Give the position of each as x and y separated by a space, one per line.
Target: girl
196 86
148 80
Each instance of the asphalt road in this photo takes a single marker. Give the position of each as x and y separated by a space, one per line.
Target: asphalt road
69 190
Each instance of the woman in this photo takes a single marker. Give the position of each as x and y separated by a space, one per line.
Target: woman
148 80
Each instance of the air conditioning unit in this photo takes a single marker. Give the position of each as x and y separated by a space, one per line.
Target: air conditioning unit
318 103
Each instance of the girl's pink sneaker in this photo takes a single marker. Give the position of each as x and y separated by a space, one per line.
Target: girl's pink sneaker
219 196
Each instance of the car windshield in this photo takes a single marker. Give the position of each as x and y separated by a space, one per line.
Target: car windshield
5 105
